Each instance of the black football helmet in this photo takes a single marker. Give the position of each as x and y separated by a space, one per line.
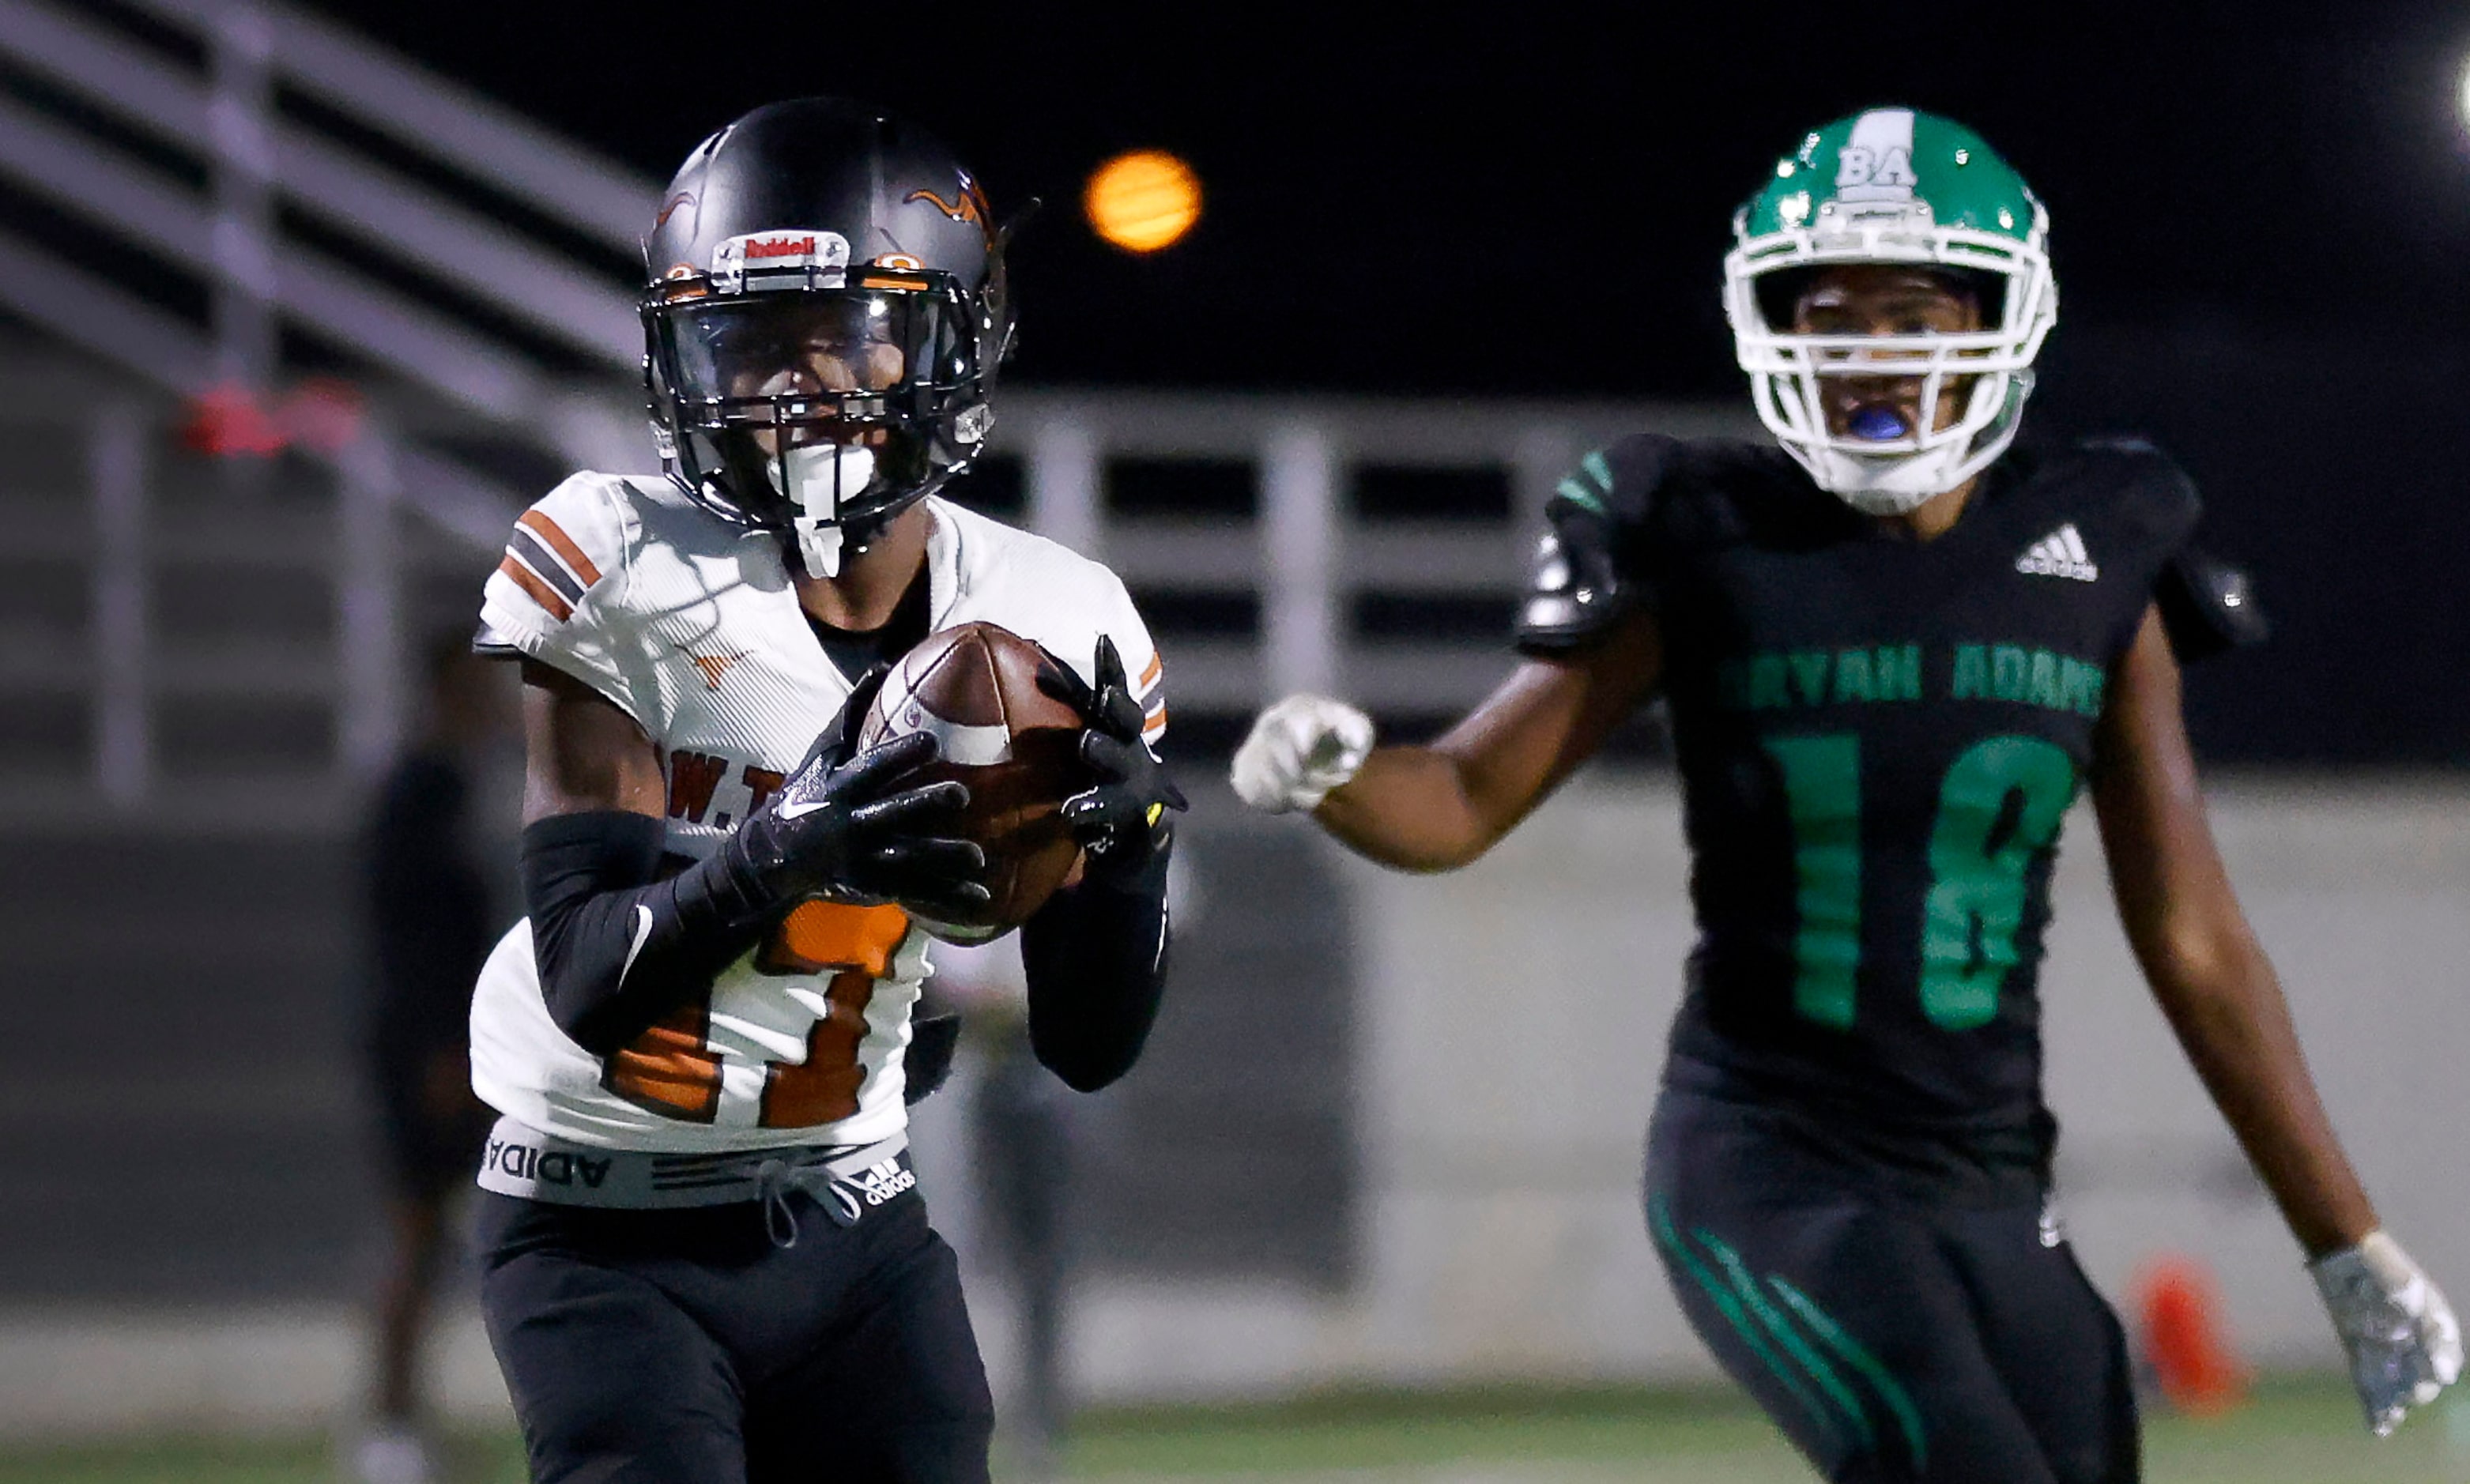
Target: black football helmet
824 312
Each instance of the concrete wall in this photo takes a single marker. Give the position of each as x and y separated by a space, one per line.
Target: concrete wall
1508 1027
1512 1020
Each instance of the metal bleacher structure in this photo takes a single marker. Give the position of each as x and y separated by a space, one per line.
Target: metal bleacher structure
233 205
205 197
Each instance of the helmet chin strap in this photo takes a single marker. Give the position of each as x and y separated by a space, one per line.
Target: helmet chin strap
1885 488
818 477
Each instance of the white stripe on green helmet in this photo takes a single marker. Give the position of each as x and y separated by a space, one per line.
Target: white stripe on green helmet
1893 185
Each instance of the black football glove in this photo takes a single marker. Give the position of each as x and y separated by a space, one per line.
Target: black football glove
843 827
1122 822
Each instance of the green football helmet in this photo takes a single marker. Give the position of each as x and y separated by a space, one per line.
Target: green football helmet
1891 185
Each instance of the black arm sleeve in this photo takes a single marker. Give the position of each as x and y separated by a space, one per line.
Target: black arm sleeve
618 944
1096 961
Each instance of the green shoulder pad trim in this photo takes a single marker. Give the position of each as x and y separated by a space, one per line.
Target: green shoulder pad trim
1588 487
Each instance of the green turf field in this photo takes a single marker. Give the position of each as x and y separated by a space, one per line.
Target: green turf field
2295 1432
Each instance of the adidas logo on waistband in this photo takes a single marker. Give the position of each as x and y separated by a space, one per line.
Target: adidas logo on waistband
2060 553
883 1181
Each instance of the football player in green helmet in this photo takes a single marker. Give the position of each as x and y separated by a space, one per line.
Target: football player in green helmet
1894 649
1964 268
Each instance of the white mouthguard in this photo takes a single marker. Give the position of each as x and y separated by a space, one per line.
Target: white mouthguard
822 476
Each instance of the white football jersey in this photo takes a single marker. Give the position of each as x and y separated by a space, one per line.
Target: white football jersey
690 625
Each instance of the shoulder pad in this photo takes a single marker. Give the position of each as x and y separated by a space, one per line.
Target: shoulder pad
2156 501
564 546
1588 567
557 593
2207 606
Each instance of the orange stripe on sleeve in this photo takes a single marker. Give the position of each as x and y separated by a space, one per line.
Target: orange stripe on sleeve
1148 676
541 592
1156 724
562 544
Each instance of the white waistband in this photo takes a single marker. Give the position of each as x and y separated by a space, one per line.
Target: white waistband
523 1162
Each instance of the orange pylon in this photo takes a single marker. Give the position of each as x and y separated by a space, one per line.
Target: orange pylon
2180 1323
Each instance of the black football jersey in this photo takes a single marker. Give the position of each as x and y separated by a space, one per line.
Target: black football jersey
1878 740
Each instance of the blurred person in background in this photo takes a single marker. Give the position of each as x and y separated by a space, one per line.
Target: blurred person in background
1894 649
436 897
1021 1133
704 1255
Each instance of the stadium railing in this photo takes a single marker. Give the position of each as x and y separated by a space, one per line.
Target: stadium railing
215 195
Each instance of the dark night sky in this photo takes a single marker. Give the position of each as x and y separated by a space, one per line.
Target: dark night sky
2261 212
1514 199
2259 216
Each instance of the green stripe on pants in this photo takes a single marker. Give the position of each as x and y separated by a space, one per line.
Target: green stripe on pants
1747 1286
1900 1401
1729 1305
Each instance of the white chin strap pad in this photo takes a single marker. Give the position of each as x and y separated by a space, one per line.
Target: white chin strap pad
822 476
1883 487
1905 483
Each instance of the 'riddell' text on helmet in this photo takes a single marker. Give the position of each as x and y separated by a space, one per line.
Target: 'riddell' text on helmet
824 313
1893 186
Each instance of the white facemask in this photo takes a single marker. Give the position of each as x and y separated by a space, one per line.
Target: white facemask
820 476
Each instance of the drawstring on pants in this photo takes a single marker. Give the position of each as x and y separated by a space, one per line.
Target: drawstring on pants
773 1181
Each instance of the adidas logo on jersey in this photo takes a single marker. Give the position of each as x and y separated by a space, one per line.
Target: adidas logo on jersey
2060 553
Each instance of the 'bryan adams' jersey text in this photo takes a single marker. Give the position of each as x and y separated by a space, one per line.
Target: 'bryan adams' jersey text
1879 740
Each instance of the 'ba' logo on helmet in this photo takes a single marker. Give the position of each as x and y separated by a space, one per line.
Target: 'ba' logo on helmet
1877 163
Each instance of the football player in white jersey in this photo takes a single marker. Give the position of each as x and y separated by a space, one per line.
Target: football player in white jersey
704 1257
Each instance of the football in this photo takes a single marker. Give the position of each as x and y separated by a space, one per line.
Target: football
975 688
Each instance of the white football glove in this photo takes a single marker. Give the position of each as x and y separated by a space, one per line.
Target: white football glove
1300 749
2405 1345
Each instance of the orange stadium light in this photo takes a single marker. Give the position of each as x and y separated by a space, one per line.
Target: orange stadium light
1143 200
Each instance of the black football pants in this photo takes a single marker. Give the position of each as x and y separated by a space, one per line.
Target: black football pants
1893 1339
684 1347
